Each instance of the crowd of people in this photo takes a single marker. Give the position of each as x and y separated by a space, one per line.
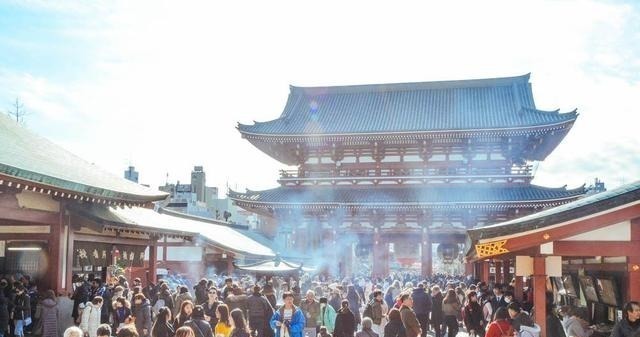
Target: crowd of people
400 305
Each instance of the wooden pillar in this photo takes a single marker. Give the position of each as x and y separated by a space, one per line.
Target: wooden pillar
426 260
485 271
229 264
153 264
376 269
55 252
70 248
633 265
518 291
505 271
468 269
498 266
539 296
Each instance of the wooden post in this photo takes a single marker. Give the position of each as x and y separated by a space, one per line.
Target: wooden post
70 250
426 260
55 253
518 289
229 264
633 265
153 264
498 266
539 296
505 271
485 271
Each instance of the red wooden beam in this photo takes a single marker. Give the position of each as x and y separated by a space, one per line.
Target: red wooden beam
29 215
595 267
596 248
517 243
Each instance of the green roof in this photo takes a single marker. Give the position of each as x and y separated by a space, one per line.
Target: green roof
30 158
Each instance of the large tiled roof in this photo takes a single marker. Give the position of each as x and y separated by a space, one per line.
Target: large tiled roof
587 206
484 104
214 232
30 158
444 195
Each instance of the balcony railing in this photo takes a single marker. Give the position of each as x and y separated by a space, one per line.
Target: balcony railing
452 173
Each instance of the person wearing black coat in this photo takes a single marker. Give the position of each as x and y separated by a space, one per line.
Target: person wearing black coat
437 316
422 307
394 327
21 309
260 312
345 321
4 309
472 315
142 313
163 327
80 296
200 327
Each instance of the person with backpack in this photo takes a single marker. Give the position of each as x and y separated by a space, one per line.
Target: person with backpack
472 315
500 327
377 310
288 321
260 311
197 323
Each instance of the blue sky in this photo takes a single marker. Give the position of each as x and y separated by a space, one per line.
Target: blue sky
161 85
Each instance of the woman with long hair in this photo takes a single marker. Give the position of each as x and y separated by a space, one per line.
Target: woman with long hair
500 325
394 327
50 315
162 326
186 308
211 305
354 302
240 327
121 310
450 309
473 320
224 323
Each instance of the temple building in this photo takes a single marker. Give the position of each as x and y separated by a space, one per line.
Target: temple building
390 174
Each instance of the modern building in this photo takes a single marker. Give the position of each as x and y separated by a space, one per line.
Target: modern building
131 174
389 174
199 183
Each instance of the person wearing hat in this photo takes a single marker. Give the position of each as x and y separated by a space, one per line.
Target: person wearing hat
198 324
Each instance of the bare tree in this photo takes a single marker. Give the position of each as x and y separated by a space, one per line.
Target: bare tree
18 111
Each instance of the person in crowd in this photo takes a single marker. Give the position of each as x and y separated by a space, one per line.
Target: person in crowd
288 319
554 325
388 297
200 291
150 291
355 302
630 322
198 324
237 299
101 289
210 306
518 317
164 297
240 327
269 292
128 331
498 301
142 313
228 286
121 310
80 296
500 326
224 321
104 330
487 302
335 300
186 309
437 316
574 326
73 331
122 281
422 307
183 295
367 330
260 311
323 332
91 317
450 310
50 315
472 316
345 321
162 327
184 331
4 308
377 310
408 316
327 315
394 327
311 310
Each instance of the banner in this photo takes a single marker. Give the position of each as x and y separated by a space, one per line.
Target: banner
91 254
130 256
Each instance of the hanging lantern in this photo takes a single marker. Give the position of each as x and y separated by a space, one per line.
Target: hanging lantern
448 252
